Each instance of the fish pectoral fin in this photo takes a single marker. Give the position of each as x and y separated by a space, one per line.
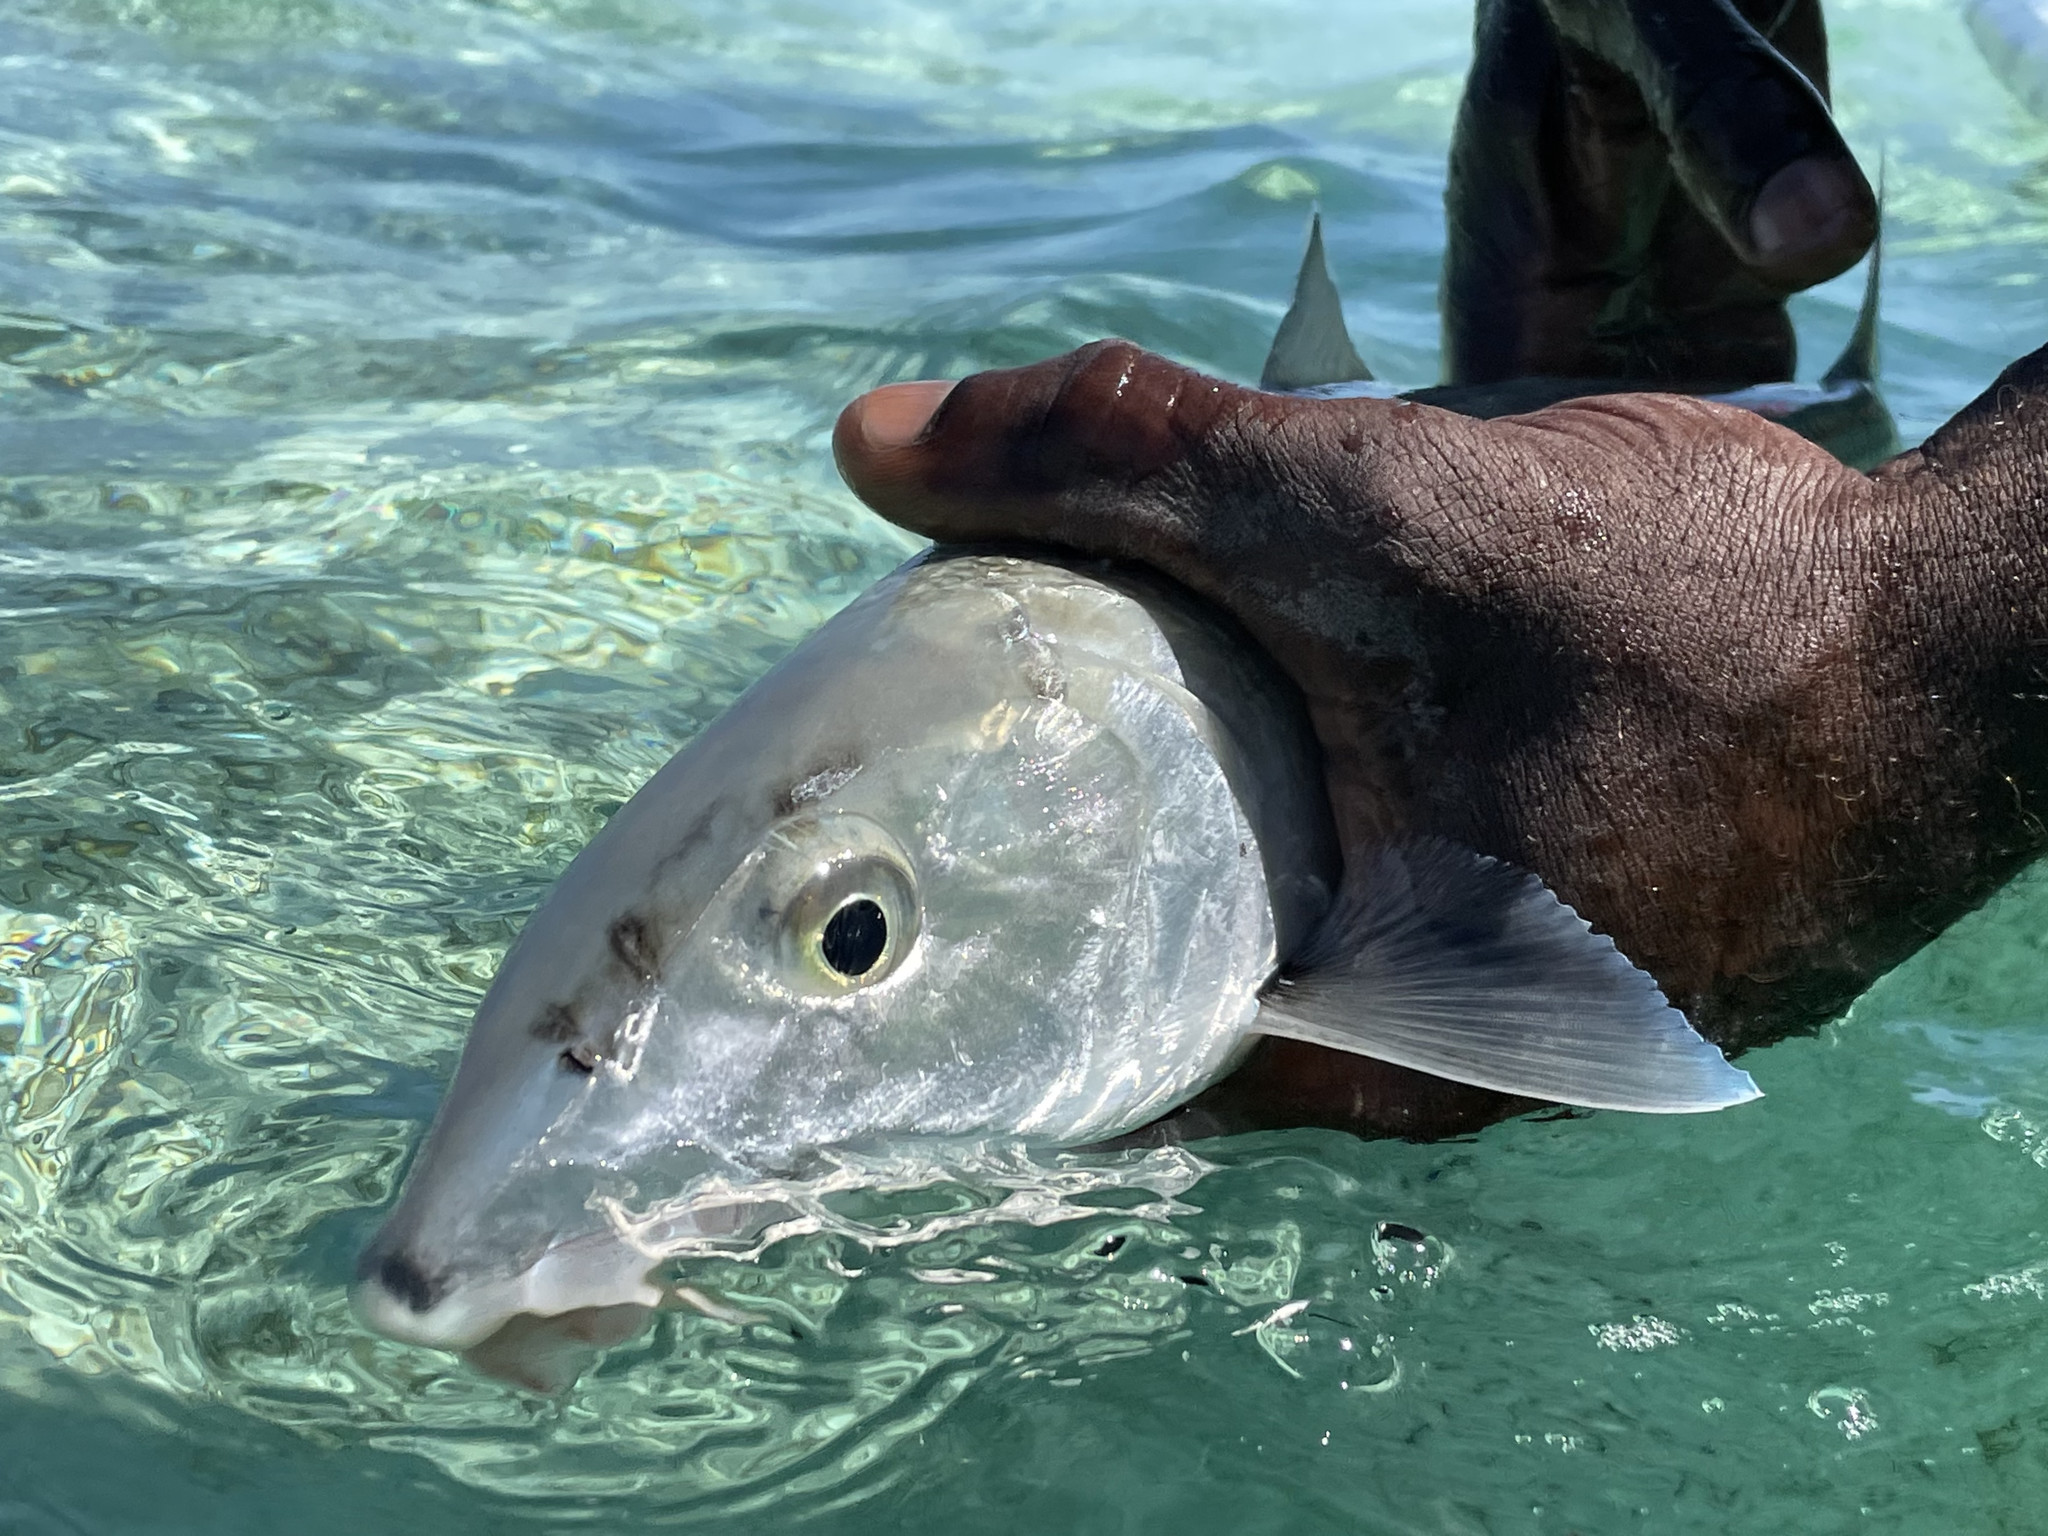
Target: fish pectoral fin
1455 964
1312 346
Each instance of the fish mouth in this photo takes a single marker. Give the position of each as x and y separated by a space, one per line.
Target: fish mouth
399 1297
547 1354
539 1329
409 1292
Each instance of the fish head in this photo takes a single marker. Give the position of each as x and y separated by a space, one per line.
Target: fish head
968 863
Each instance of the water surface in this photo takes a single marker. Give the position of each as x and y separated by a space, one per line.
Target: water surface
412 429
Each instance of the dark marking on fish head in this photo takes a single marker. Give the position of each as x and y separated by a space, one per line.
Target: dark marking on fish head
1047 681
820 780
557 1024
685 845
1042 674
632 944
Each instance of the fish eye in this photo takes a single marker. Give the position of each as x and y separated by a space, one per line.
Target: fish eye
853 921
837 905
855 938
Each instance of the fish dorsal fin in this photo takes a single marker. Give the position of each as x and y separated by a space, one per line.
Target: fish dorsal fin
1858 362
1441 959
1312 347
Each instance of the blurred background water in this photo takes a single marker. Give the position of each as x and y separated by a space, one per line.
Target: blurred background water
412 429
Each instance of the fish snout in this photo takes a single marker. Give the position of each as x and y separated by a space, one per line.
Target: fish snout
403 1297
405 1279
405 1292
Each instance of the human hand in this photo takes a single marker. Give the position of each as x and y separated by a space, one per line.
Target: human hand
1635 187
1768 722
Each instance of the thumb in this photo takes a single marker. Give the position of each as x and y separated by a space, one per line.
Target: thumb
1750 136
1079 451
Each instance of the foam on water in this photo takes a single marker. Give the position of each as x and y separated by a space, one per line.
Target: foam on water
412 429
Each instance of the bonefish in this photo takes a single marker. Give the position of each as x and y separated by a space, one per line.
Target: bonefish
1014 847
1010 848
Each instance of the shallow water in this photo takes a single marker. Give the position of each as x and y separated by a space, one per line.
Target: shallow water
412 428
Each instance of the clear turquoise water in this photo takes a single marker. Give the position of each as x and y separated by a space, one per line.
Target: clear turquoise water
412 429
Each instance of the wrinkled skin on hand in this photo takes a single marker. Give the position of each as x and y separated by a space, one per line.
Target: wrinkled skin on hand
1769 722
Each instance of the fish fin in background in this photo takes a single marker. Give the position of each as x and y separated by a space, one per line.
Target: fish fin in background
1455 964
1312 346
1858 362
